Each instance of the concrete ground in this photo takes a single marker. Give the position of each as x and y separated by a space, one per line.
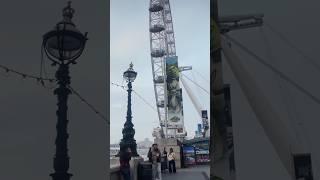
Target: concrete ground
199 172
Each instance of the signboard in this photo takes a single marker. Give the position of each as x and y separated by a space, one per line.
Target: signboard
189 155
202 156
204 114
174 92
202 151
302 166
180 130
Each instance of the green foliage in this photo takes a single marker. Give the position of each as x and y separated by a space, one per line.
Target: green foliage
173 72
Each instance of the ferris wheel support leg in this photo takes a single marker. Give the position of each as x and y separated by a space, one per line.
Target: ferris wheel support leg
274 127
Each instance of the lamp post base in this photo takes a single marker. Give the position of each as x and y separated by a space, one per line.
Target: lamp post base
131 144
61 176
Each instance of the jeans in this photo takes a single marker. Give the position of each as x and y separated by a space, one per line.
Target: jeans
125 172
156 171
159 170
172 166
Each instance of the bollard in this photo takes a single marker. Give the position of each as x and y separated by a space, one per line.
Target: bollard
144 171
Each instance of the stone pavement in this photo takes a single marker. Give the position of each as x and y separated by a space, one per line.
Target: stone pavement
199 172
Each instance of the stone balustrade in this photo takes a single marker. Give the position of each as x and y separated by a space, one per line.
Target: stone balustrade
115 173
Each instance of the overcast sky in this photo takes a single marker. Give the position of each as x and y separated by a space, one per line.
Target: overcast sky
130 42
298 21
28 119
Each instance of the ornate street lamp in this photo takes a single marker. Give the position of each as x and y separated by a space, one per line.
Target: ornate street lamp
63 45
128 131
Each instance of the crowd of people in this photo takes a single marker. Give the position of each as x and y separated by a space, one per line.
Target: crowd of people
160 162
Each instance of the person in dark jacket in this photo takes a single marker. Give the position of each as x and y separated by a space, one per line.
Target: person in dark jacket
150 155
125 157
164 163
156 162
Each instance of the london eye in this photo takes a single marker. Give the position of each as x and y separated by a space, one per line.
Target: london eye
164 66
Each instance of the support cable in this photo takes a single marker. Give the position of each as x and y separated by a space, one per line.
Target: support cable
42 80
88 104
290 101
283 92
293 46
196 83
24 75
197 89
282 75
201 75
144 100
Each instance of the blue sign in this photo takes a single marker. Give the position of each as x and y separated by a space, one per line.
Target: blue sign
188 149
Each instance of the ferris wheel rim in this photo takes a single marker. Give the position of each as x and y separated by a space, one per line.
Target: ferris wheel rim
160 23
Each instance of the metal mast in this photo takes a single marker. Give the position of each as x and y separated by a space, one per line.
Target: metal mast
222 146
218 144
298 163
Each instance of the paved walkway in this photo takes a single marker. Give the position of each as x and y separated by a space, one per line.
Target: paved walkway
199 172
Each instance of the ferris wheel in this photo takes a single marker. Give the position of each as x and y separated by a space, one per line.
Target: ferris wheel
165 69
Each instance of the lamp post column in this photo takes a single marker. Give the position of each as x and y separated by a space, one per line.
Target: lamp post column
61 159
63 45
128 131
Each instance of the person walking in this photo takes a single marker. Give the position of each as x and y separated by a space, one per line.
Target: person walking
156 162
125 157
172 163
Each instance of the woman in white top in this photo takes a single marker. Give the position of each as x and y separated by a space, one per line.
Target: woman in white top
172 163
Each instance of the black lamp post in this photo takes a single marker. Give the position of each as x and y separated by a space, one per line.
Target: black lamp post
63 45
128 131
